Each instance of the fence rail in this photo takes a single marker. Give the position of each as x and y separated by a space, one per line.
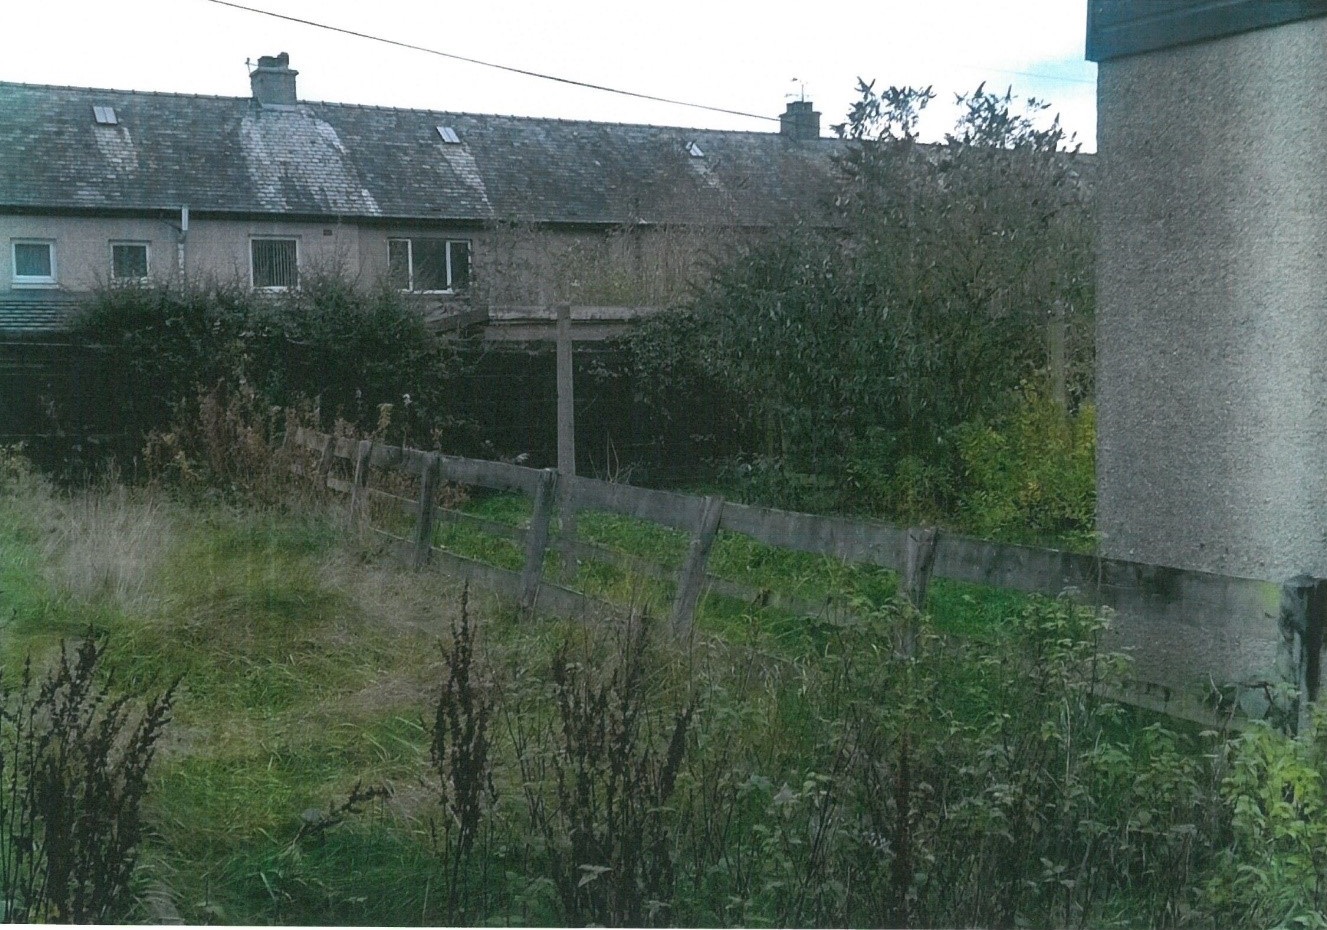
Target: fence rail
1189 632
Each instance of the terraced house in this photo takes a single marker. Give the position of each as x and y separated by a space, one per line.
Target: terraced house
468 212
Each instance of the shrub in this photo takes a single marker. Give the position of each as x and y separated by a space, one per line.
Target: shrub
1273 871
921 311
353 350
222 438
1031 473
989 784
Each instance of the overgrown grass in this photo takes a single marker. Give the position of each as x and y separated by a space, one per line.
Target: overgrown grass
305 670
775 770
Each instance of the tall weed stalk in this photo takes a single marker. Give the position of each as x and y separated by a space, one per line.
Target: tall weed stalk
74 761
462 756
612 756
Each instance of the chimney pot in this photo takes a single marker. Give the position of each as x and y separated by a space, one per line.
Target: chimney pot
273 81
800 121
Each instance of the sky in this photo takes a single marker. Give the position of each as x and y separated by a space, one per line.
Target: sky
730 54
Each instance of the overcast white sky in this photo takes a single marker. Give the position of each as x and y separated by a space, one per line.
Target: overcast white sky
736 55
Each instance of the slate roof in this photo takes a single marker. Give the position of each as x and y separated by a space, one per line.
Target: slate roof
35 312
233 155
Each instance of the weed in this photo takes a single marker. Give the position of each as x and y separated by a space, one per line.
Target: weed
613 760
461 752
73 778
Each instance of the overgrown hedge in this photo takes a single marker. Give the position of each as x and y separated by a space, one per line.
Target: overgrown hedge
341 350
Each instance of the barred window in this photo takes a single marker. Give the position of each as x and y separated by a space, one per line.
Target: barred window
274 263
423 264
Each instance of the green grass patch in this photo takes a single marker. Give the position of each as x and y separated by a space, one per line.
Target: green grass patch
638 538
473 542
837 587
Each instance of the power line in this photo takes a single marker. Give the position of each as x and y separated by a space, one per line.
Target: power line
489 64
1030 74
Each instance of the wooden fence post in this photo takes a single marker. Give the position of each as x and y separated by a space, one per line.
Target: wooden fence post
566 437
918 560
361 479
692 578
428 486
566 545
290 446
536 539
328 458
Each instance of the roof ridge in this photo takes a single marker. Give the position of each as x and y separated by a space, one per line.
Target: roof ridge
394 109
120 90
542 119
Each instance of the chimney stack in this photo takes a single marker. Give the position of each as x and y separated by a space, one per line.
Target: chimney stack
273 82
800 121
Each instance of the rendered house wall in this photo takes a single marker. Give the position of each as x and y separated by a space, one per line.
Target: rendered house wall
215 250
1212 304
512 264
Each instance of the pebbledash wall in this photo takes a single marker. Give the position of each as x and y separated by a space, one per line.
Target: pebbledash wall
1212 284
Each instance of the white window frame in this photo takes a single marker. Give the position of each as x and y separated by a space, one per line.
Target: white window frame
273 287
32 280
147 260
410 260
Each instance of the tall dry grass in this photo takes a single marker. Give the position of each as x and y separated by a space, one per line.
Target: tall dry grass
108 543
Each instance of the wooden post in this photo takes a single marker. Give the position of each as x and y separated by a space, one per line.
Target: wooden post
536 539
566 437
692 578
292 446
361 479
428 486
566 394
328 457
288 439
918 560
1055 353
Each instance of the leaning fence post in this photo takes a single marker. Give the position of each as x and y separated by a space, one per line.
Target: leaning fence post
918 560
291 446
428 485
327 459
361 479
536 539
692 578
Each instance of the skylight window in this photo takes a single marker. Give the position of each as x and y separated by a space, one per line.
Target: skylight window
694 150
449 135
105 116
